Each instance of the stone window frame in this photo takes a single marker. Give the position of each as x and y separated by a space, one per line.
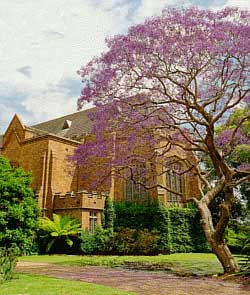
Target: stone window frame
93 220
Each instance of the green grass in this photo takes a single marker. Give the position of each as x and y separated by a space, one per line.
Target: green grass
41 285
193 263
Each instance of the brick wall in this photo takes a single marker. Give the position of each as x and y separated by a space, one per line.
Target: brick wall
79 205
53 175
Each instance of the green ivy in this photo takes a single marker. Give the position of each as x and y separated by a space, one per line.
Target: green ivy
179 229
108 214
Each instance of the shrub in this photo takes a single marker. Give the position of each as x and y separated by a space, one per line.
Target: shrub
99 242
125 241
87 243
138 216
245 263
236 240
146 243
59 232
103 240
129 241
162 222
18 208
8 260
179 229
239 242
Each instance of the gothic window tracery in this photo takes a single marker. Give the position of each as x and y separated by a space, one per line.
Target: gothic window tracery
135 182
175 182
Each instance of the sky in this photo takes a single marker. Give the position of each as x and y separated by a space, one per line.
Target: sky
44 43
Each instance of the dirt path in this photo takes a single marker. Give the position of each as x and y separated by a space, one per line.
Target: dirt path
142 282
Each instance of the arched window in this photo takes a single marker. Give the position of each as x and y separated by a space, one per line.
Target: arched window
135 181
175 182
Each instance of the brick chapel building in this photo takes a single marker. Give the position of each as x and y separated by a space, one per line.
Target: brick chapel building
44 148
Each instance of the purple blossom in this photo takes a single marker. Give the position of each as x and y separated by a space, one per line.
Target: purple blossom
173 78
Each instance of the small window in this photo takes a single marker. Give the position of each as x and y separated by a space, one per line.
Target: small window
14 164
92 221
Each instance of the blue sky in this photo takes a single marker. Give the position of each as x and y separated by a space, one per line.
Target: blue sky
44 43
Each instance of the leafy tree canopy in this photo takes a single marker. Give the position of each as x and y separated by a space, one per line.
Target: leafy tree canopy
18 208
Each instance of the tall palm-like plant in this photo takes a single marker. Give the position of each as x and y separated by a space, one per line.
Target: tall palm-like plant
60 227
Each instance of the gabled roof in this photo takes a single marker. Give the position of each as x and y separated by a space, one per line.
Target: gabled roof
72 126
15 121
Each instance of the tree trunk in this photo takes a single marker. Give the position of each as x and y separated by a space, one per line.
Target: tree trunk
225 257
217 244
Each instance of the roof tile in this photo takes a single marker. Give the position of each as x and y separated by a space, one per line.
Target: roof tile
80 125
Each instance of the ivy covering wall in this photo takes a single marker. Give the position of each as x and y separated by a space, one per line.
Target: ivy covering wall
179 229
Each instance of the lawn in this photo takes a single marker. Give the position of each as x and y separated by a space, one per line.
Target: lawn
41 285
192 263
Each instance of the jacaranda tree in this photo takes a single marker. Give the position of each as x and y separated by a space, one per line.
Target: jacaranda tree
166 85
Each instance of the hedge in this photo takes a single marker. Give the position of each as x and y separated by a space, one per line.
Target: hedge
179 228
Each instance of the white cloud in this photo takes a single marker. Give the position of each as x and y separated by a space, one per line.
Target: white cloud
43 43
150 7
51 103
6 114
245 4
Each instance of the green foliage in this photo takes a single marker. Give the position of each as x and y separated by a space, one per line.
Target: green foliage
199 240
245 263
108 214
162 222
236 116
238 239
245 195
8 260
241 154
178 229
124 241
129 241
18 208
138 230
138 216
87 242
236 210
181 229
61 228
99 242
